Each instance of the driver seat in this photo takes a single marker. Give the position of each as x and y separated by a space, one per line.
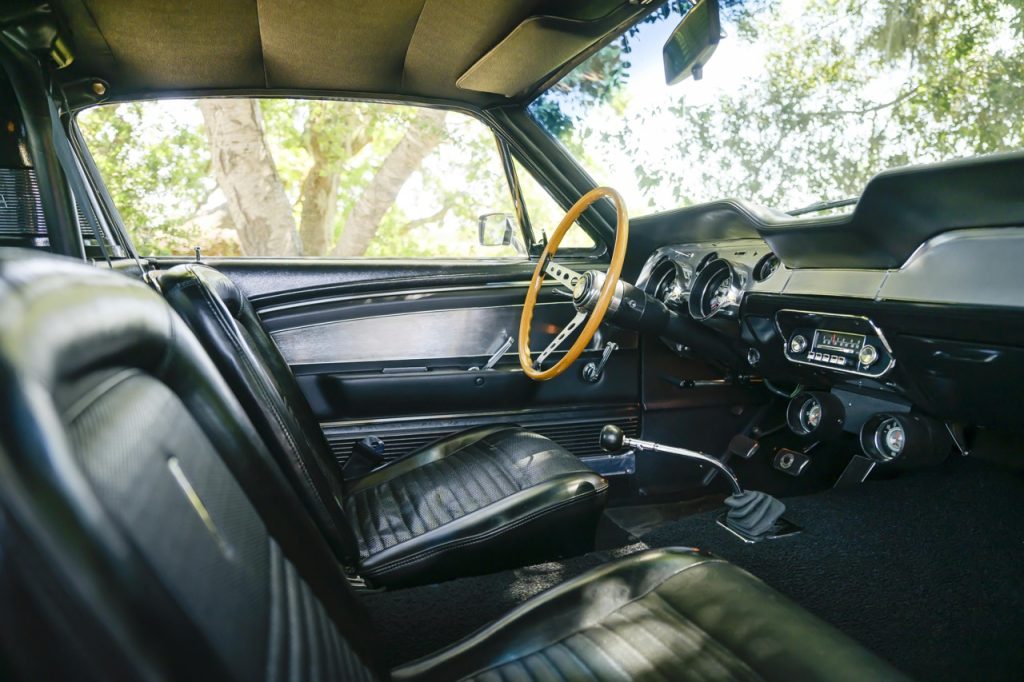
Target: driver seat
478 501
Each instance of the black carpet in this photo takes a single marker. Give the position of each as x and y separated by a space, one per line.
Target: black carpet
420 620
926 570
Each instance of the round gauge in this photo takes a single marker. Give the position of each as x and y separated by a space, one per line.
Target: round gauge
816 414
716 289
887 437
705 260
810 414
766 267
890 437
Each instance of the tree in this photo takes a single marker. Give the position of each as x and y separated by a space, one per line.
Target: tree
284 177
380 194
246 175
846 89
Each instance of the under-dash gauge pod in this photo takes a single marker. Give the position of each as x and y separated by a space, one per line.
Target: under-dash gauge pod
904 437
816 414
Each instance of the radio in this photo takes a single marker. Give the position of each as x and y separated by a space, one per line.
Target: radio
844 343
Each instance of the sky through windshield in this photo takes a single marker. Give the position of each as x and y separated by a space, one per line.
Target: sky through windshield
804 100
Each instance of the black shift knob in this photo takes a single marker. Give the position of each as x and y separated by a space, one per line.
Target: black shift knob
611 438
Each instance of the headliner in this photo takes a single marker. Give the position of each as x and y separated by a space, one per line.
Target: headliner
402 48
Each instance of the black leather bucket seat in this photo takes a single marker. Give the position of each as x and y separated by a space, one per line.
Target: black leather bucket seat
478 501
146 533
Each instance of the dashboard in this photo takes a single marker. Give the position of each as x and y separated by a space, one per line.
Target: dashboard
911 349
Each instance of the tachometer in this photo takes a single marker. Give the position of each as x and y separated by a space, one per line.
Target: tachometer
716 290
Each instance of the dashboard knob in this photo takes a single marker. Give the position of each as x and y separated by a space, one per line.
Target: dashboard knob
868 355
797 344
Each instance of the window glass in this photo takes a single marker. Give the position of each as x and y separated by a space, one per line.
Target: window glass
803 100
545 213
277 177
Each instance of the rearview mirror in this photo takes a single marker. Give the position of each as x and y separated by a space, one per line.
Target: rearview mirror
499 229
692 42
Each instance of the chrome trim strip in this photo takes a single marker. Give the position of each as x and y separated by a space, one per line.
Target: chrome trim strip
398 293
616 411
174 466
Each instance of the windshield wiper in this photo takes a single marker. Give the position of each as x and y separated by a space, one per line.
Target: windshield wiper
819 206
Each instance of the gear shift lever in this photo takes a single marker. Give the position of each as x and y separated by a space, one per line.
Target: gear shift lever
612 439
752 515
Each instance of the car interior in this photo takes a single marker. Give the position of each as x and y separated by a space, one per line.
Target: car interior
488 406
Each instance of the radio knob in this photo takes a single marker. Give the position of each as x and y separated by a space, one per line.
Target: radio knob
797 344
868 355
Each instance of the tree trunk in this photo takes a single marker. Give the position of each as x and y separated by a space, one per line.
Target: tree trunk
424 134
319 206
247 176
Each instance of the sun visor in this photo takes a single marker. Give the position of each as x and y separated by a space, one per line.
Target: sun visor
540 46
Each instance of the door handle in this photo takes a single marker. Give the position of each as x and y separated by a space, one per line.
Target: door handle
493 360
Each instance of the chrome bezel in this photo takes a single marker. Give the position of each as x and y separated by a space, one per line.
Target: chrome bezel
702 285
810 363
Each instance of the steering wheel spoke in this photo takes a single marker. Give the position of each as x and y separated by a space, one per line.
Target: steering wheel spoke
575 322
561 274
586 323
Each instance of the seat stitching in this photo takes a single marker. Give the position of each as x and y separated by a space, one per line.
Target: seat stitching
426 553
398 508
483 498
494 454
382 515
582 634
703 562
402 502
427 471
420 495
720 651
639 604
563 644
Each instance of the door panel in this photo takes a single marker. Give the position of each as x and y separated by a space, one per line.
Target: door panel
386 349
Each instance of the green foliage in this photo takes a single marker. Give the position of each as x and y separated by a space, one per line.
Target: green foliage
155 159
156 168
847 89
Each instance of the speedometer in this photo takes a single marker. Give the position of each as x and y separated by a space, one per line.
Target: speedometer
716 291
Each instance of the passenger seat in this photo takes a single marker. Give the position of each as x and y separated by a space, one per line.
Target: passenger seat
145 533
482 500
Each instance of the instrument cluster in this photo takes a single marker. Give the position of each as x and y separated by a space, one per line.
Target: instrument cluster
708 281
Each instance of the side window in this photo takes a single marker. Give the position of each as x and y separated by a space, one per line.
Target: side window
545 213
317 178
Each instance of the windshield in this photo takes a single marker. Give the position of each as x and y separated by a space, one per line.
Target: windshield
803 101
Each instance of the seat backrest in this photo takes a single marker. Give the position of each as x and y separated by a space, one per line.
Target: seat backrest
140 512
226 324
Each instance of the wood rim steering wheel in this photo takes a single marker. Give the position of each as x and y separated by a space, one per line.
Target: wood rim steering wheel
547 266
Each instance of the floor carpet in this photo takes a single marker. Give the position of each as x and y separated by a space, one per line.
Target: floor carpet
926 570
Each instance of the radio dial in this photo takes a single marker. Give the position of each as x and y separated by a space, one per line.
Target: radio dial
868 355
798 344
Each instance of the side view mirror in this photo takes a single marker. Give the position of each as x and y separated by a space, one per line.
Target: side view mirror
499 229
692 42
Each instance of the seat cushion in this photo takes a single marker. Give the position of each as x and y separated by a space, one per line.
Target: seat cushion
673 614
467 504
481 500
